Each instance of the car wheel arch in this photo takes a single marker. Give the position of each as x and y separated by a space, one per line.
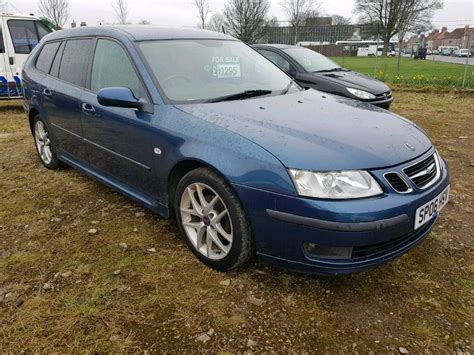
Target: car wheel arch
179 170
31 117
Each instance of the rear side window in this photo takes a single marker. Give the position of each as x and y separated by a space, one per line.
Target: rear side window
112 68
57 61
24 35
45 58
75 60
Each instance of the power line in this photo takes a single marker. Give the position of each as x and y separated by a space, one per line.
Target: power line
466 21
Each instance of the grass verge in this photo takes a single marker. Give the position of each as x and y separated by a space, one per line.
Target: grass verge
412 72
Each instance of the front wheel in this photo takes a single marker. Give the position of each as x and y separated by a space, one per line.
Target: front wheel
212 220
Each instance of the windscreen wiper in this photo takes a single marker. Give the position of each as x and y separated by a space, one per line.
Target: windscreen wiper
330 70
247 94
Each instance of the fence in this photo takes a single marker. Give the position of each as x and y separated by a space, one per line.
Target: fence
322 34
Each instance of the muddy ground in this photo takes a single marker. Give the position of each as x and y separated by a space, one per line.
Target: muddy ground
64 289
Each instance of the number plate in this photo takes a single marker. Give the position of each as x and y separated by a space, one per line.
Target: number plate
431 209
228 71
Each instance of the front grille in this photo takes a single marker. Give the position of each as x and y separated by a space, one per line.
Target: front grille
374 250
423 172
384 96
397 182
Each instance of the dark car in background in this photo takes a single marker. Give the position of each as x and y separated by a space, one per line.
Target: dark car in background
313 70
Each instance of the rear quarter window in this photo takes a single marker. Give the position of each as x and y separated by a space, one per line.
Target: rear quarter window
57 61
45 58
75 60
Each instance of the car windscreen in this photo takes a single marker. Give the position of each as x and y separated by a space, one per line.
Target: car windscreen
193 71
310 60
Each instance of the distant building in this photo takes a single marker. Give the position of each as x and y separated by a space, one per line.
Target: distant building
430 39
460 37
412 42
437 39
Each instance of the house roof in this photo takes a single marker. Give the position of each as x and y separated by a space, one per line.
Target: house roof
432 36
457 33
440 35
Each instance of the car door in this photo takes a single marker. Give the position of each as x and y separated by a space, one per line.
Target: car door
5 72
62 93
117 139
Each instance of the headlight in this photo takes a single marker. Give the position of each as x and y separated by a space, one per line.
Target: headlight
335 185
361 94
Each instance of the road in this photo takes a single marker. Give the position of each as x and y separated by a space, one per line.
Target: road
446 59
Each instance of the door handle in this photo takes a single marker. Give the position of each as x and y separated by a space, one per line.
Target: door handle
47 92
88 109
11 60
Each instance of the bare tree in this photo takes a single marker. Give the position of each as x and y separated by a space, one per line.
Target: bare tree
273 22
216 22
389 15
298 11
203 10
245 19
57 11
340 20
121 11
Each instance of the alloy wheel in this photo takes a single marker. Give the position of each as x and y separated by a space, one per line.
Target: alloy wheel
206 221
43 143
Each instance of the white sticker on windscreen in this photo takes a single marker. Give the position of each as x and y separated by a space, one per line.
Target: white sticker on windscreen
226 67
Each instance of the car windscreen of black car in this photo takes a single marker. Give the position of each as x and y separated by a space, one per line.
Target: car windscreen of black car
75 60
45 58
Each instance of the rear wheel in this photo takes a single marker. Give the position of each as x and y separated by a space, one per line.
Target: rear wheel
212 220
44 145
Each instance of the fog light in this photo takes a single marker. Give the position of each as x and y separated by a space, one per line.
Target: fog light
327 252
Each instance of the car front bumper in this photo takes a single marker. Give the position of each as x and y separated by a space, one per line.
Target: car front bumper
382 103
376 230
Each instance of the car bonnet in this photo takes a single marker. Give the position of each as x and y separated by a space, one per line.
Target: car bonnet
316 131
356 80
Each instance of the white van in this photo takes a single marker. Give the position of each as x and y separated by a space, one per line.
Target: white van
19 34
375 50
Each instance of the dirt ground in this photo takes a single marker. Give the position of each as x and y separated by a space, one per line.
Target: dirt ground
63 289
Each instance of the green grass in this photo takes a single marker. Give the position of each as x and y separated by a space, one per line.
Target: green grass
412 72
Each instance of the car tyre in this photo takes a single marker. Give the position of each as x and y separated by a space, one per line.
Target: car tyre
44 145
212 220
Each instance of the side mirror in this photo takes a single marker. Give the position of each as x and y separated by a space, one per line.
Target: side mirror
119 97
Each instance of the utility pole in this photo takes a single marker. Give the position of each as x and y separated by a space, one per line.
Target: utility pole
376 50
468 46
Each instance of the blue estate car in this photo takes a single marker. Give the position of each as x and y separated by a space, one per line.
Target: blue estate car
197 125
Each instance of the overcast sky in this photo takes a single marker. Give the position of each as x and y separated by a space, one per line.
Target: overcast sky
182 13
